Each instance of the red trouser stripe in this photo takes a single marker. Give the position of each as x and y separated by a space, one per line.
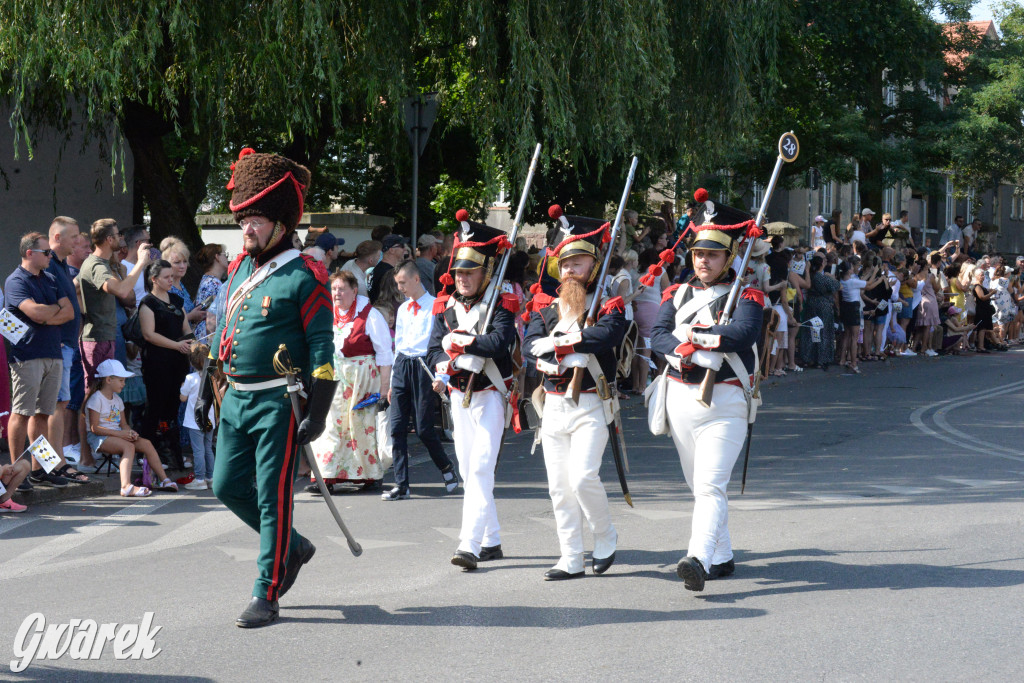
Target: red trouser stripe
284 510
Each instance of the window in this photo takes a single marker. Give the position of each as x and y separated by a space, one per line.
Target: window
758 196
502 199
855 189
970 205
890 96
950 203
825 198
1017 204
889 201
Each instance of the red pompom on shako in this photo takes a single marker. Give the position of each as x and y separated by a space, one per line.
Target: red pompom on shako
701 195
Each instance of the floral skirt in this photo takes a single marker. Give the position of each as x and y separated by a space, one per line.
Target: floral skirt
347 450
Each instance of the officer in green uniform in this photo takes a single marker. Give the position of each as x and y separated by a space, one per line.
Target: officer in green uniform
275 296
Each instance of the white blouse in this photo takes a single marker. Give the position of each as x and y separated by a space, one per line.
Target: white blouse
377 329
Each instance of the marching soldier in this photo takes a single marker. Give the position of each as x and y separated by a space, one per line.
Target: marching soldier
460 355
274 296
574 434
688 332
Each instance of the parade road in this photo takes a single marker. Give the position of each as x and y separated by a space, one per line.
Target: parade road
881 537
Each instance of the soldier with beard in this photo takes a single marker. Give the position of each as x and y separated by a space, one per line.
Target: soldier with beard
574 435
274 296
458 351
691 336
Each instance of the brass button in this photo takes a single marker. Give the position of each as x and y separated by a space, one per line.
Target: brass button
241 318
286 394
235 343
248 296
234 355
232 368
237 330
245 307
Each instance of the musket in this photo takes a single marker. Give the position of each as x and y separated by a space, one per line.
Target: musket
789 148
577 374
283 366
499 277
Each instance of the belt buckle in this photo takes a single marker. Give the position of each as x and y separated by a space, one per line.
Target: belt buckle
232 383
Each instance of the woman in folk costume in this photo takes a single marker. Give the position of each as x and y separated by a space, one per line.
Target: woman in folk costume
690 334
462 352
347 450
574 435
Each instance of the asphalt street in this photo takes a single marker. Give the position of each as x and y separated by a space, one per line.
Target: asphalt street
881 536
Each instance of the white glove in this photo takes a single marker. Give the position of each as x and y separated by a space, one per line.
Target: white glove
675 361
575 360
542 347
711 360
469 362
456 341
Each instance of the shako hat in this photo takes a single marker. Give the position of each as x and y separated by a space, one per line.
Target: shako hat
268 185
477 245
723 226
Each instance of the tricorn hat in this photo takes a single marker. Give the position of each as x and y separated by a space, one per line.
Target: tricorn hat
268 185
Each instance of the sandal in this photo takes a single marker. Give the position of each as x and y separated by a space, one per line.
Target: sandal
796 368
72 475
133 491
166 485
779 373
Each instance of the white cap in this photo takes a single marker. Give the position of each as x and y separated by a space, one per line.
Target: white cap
819 219
112 368
866 210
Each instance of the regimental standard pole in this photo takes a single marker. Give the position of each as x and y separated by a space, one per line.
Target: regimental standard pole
499 276
789 148
418 107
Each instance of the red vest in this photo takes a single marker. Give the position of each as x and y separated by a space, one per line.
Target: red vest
358 342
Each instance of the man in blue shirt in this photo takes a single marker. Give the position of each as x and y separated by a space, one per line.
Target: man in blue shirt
63 235
33 298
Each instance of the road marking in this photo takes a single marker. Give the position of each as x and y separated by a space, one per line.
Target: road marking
45 553
977 483
197 530
369 543
834 497
449 531
12 523
247 554
904 490
659 515
958 438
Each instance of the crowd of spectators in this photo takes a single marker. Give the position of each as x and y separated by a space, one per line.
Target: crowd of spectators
116 340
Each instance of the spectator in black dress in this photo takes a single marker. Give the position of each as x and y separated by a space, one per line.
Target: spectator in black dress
983 310
164 358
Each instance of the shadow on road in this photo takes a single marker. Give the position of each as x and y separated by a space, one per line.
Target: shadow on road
511 616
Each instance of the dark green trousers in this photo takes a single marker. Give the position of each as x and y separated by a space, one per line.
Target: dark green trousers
256 460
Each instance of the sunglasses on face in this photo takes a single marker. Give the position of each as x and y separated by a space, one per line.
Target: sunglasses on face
46 252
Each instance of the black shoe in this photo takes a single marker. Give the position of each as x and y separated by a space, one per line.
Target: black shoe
465 560
298 556
314 488
25 485
492 552
395 494
559 575
601 566
375 485
691 571
259 612
42 478
720 571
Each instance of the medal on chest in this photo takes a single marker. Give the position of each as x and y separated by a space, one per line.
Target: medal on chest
265 306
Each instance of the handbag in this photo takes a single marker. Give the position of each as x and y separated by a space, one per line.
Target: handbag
656 400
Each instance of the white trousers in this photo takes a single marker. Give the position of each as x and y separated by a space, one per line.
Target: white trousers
709 441
477 434
574 438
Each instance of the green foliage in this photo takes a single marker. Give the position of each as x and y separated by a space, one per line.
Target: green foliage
450 195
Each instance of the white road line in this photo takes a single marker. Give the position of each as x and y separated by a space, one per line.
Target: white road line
10 523
977 483
197 530
44 553
904 490
964 442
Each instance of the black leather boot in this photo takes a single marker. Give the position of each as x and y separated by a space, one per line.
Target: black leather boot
259 612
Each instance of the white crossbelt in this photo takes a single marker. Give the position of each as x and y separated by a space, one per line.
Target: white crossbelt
258 386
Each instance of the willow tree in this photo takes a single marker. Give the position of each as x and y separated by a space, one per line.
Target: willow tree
185 83
182 81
